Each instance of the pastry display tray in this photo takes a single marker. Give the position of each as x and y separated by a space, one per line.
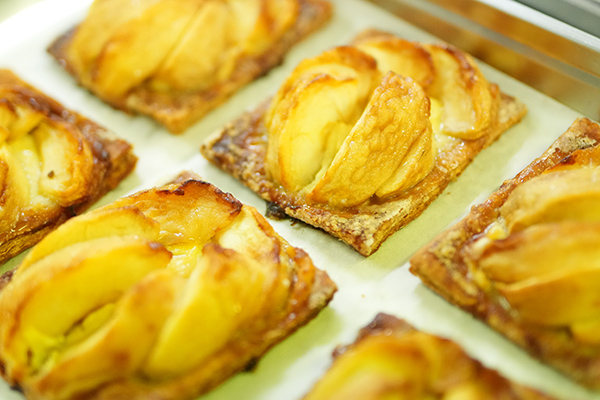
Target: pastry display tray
379 283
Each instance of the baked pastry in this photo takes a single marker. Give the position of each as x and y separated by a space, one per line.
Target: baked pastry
361 139
162 294
525 260
54 164
391 359
175 60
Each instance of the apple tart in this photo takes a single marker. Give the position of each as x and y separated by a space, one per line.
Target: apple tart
54 164
360 139
175 60
392 360
526 261
162 294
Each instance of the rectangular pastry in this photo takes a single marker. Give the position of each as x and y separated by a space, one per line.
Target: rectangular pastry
54 164
175 60
526 261
359 140
392 360
163 294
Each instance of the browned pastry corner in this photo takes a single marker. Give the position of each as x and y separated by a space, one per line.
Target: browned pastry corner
359 140
54 164
175 60
163 294
526 261
391 359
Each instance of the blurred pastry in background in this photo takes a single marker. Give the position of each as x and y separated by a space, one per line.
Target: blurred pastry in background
175 60
392 360
527 260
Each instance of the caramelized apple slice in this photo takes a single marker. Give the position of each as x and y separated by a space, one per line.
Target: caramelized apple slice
396 118
122 221
129 57
191 212
545 249
195 62
66 166
120 346
401 56
96 30
572 194
313 111
8 115
268 21
208 306
468 99
42 295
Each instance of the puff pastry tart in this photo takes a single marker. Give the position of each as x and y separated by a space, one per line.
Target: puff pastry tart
392 360
361 139
163 294
54 163
175 60
526 261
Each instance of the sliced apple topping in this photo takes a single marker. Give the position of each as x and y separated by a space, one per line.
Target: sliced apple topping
314 110
388 150
469 102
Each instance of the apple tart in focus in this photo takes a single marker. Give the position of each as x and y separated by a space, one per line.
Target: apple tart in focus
360 139
527 260
392 360
175 60
162 294
54 164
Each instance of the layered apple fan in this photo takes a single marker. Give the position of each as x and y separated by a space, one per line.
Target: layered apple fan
360 139
527 260
162 294
175 60
54 163
392 360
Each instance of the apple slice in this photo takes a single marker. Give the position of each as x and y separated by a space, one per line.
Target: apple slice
541 250
320 96
66 163
196 61
396 118
51 296
8 115
124 221
119 347
104 19
469 101
273 19
224 291
571 194
137 48
403 57
191 212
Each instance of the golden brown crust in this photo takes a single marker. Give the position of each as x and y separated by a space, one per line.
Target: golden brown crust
297 291
397 358
178 111
240 149
441 266
112 160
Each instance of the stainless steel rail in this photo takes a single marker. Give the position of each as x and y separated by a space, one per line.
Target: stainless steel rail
549 55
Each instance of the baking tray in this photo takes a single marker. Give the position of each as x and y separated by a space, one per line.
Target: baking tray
379 283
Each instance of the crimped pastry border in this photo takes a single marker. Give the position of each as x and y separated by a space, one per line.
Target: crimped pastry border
441 267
